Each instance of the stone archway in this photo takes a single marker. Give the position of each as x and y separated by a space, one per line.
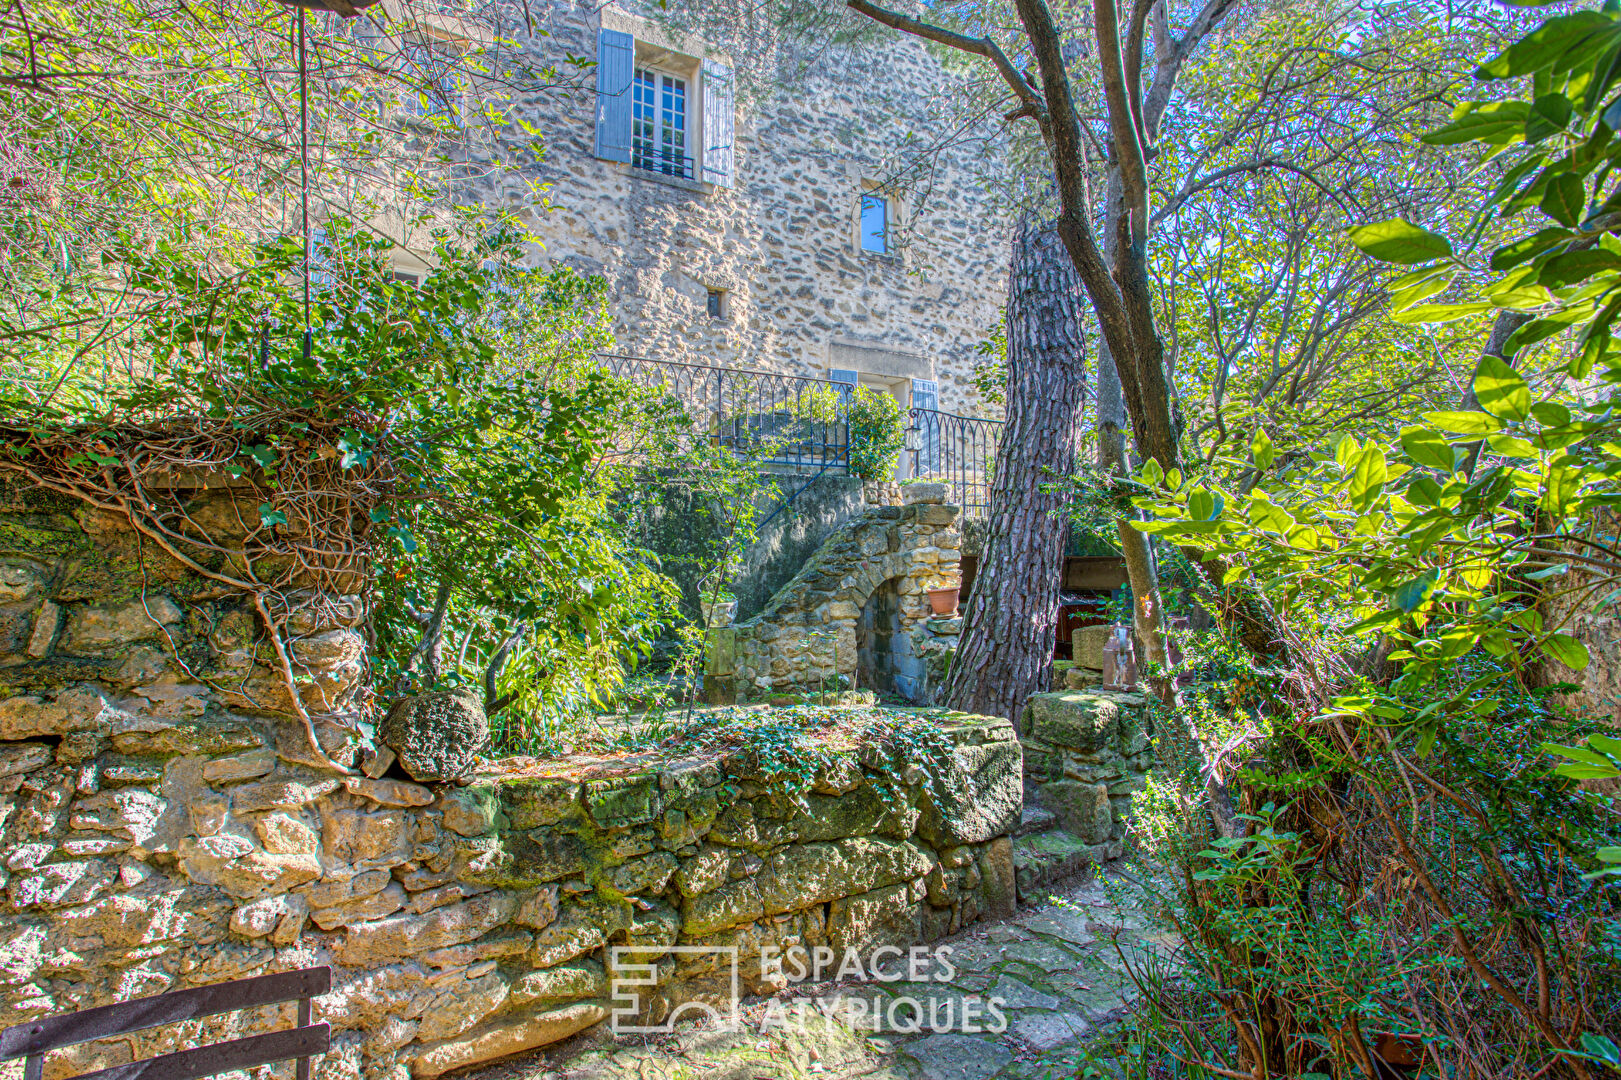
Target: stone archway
878 629
811 634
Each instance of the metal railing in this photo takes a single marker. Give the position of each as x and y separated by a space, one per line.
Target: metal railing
795 423
957 449
661 159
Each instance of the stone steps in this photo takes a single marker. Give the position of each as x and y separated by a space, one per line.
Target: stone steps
1040 858
1034 819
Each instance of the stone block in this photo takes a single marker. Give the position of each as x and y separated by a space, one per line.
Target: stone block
1082 809
246 766
980 798
378 905
936 515
96 628
394 793
146 735
559 985
235 866
506 1036
284 835
438 736
1086 646
531 803
402 936
615 804
887 916
1085 721
470 811
929 493
998 883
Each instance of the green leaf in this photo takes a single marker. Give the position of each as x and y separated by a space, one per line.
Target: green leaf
1409 595
1567 650
1150 474
1262 450
1428 448
1398 241
1565 200
1369 477
1509 446
1573 267
1543 46
269 515
1496 123
1203 505
1501 390
1511 255
1550 114
1432 314
1465 423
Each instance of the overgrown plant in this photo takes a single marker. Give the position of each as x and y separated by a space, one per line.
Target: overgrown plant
1422 583
877 426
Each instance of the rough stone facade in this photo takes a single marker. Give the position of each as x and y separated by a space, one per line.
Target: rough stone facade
811 134
162 825
818 631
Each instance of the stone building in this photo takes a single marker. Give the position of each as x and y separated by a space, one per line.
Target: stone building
753 220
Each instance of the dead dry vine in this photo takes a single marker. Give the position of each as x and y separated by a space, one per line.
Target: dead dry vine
267 508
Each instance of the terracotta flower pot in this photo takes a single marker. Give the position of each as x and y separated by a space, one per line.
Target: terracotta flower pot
943 601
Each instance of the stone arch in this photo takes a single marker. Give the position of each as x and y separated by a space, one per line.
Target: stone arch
808 636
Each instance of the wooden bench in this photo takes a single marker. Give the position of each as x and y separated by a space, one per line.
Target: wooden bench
37 1038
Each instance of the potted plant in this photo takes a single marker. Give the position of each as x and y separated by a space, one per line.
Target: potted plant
943 600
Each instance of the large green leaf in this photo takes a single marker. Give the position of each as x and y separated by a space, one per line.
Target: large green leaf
1410 594
1572 267
1368 478
1501 390
1565 199
1428 448
1567 650
1494 123
1398 241
1543 46
1465 423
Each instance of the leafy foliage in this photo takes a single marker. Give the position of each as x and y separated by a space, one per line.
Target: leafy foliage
877 426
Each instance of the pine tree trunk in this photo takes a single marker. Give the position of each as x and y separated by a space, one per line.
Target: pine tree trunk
1008 630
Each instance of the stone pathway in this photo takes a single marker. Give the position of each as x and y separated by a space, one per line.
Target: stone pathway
1053 966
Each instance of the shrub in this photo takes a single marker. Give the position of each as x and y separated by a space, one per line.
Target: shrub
877 433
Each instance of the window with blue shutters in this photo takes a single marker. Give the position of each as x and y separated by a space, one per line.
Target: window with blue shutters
662 114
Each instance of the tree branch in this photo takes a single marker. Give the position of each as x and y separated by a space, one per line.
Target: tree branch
978 46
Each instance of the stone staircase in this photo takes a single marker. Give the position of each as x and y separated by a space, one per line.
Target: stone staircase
1043 852
1085 753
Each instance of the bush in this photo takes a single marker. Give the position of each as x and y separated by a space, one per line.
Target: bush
877 433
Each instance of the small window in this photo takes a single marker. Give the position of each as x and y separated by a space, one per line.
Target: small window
431 68
875 224
406 277
717 299
659 123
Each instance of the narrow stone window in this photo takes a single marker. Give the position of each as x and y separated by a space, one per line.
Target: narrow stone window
875 224
717 298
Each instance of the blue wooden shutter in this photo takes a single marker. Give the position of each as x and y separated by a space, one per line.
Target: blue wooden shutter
926 397
840 375
616 61
718 123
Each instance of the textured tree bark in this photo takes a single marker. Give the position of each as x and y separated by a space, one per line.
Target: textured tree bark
1005 654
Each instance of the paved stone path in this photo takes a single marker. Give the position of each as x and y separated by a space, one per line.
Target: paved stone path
1054 966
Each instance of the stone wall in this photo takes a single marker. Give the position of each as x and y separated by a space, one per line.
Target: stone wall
807 636
1085 754
163 825
812 131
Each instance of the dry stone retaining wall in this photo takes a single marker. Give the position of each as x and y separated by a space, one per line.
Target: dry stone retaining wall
163 825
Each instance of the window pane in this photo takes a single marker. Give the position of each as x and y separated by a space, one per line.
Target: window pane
673 127
644 118
874 223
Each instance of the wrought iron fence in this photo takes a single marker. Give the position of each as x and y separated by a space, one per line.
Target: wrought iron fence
796 423
957 449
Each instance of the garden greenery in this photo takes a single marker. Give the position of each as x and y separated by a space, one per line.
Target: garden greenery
1406 860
